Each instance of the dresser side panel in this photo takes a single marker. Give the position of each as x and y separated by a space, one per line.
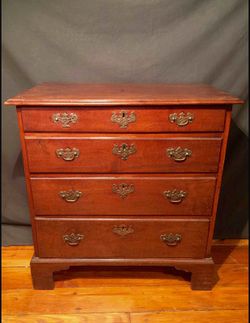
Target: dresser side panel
219 178
27 178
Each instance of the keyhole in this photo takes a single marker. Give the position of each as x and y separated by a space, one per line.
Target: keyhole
123 114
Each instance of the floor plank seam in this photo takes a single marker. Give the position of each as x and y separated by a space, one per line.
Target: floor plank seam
190 310
132 312
63 289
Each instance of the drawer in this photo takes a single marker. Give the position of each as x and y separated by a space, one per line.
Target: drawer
122 153
144 119
123 195
121 238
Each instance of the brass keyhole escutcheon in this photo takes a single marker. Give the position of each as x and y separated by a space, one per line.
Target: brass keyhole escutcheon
123 189
123 118
123 229
124 150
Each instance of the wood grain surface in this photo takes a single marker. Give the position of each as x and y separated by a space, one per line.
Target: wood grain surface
121 94
99 195
99 120
102 238
150 154
127 295
219 179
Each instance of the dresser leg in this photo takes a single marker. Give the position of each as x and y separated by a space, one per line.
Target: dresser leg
42 273
42 276
203 274
203 277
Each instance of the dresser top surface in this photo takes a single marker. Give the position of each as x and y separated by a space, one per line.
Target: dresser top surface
80 94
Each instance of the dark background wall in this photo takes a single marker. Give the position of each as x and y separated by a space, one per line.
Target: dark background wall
185 41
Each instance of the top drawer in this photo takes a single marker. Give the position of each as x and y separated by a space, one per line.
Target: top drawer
61 119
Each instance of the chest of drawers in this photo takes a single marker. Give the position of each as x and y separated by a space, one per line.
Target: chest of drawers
123 174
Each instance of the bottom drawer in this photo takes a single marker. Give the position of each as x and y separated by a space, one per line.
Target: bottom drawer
121 238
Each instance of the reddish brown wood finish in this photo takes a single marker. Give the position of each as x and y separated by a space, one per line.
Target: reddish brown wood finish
147 120
42 273
62 94
27 178
96 153
96 169
100 241
203 271
147 199
203 276
219 180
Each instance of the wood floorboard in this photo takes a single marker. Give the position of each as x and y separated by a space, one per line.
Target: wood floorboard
221 316
74 318
20 278
17 256
149 295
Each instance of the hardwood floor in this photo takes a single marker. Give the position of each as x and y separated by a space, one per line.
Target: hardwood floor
137 295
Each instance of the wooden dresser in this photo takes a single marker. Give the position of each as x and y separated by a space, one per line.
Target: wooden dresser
123 174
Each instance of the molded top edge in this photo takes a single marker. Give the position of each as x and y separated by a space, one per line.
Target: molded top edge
80 94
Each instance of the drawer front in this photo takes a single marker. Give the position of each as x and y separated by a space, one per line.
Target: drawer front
122 153
123 119
123 195
121 238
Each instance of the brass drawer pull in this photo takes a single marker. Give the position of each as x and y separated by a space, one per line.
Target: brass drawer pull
179 154
123 229
182 119
68 154
124 150
171 239
123 119
73 239
123 189
175 196
65 118
70 196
